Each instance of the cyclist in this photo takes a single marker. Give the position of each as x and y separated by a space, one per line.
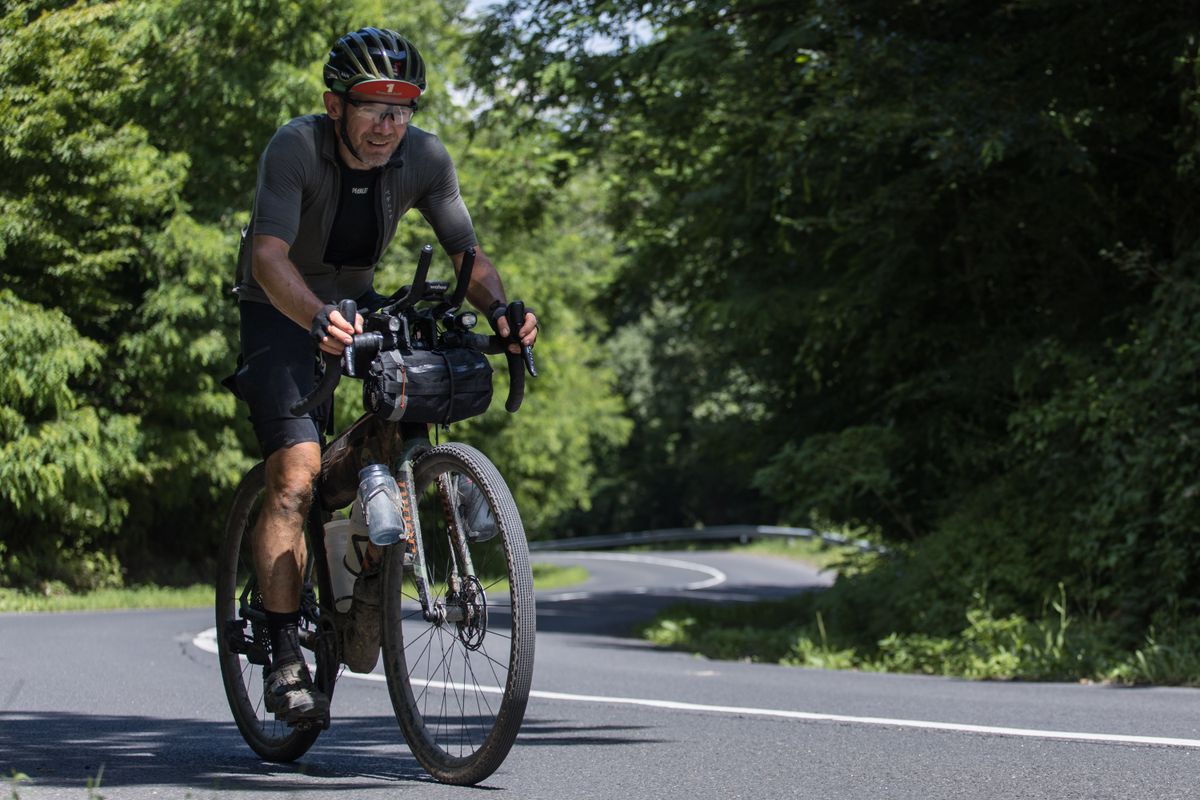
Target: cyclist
331 191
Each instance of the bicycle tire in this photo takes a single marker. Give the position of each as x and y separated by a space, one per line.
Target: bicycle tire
433 672
271 739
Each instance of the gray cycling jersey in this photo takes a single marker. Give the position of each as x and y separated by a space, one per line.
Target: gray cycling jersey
296 200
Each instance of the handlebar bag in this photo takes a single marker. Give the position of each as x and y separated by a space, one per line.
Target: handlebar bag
433 386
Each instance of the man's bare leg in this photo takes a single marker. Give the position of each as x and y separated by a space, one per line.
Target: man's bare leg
279 533
279 554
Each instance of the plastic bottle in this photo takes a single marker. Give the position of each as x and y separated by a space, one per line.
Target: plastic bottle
379 498
345 542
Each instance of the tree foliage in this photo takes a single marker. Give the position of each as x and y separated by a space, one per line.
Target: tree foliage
924 267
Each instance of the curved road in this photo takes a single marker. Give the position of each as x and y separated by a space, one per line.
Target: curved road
139 695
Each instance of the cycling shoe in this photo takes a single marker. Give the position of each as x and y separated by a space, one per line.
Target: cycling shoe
289 693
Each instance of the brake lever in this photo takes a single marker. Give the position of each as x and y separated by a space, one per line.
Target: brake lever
349 311
334 365
516 318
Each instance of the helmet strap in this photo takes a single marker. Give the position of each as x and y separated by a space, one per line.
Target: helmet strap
342 132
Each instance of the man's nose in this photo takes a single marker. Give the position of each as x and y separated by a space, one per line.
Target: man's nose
386 121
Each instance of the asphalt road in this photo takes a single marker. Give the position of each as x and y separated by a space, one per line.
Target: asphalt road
138 695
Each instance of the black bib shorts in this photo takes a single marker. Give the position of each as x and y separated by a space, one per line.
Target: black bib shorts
280 365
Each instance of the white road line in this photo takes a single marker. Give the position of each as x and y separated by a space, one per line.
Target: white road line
895 723
715 576
207 641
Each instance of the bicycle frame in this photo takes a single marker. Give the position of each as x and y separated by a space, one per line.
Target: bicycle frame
370 441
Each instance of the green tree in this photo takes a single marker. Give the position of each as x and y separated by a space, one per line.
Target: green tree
81 186
899 265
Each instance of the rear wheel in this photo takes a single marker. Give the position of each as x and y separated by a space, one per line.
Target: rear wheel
243 646
459 679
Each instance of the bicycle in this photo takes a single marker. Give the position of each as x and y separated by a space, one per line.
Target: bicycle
458 622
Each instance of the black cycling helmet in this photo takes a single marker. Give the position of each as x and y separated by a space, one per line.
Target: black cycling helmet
377 62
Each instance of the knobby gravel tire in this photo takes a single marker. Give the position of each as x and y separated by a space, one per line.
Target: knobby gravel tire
459 692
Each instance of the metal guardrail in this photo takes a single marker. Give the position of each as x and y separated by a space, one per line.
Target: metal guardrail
743 533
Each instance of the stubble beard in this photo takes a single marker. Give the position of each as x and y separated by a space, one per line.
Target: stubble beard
374 162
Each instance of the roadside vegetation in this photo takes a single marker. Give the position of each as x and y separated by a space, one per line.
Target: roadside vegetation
840 628
927 269
816 553
824 629
57 597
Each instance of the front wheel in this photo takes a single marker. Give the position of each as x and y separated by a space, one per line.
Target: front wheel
459 677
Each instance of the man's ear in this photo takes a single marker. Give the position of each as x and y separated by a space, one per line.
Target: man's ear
333 105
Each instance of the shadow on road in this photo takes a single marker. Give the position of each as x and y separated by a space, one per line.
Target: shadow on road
64 750
58 749
547 732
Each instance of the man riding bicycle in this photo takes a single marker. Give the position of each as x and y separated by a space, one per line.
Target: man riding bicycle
331 191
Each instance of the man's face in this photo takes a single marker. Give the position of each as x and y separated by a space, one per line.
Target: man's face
373 128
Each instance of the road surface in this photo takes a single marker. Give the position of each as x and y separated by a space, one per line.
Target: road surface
137 695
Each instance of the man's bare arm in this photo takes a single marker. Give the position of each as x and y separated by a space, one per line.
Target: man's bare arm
288 292
486 288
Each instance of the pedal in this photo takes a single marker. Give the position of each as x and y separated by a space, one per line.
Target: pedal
235 635
308 724
238 642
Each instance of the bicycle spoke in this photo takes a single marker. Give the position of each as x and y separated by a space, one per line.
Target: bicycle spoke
442 710
496 582
427 634
426 655
494 663
482 694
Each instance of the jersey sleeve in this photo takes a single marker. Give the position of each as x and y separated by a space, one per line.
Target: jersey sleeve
279 195
442 205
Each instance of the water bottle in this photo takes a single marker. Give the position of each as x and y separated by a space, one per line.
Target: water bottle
345 541
473 509
379 499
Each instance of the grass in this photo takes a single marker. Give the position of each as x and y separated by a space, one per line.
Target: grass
814 552
132 597
552 576
545 576
92 786
1053 646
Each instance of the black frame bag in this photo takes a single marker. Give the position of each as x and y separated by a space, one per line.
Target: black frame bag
432 386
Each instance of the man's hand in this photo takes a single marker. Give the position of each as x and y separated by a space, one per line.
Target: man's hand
529 330
332 331
486 287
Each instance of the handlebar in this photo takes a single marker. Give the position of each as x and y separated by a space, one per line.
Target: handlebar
333 367
365 346
324 388
517 363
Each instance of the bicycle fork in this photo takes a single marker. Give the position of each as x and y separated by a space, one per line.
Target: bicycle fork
462 588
